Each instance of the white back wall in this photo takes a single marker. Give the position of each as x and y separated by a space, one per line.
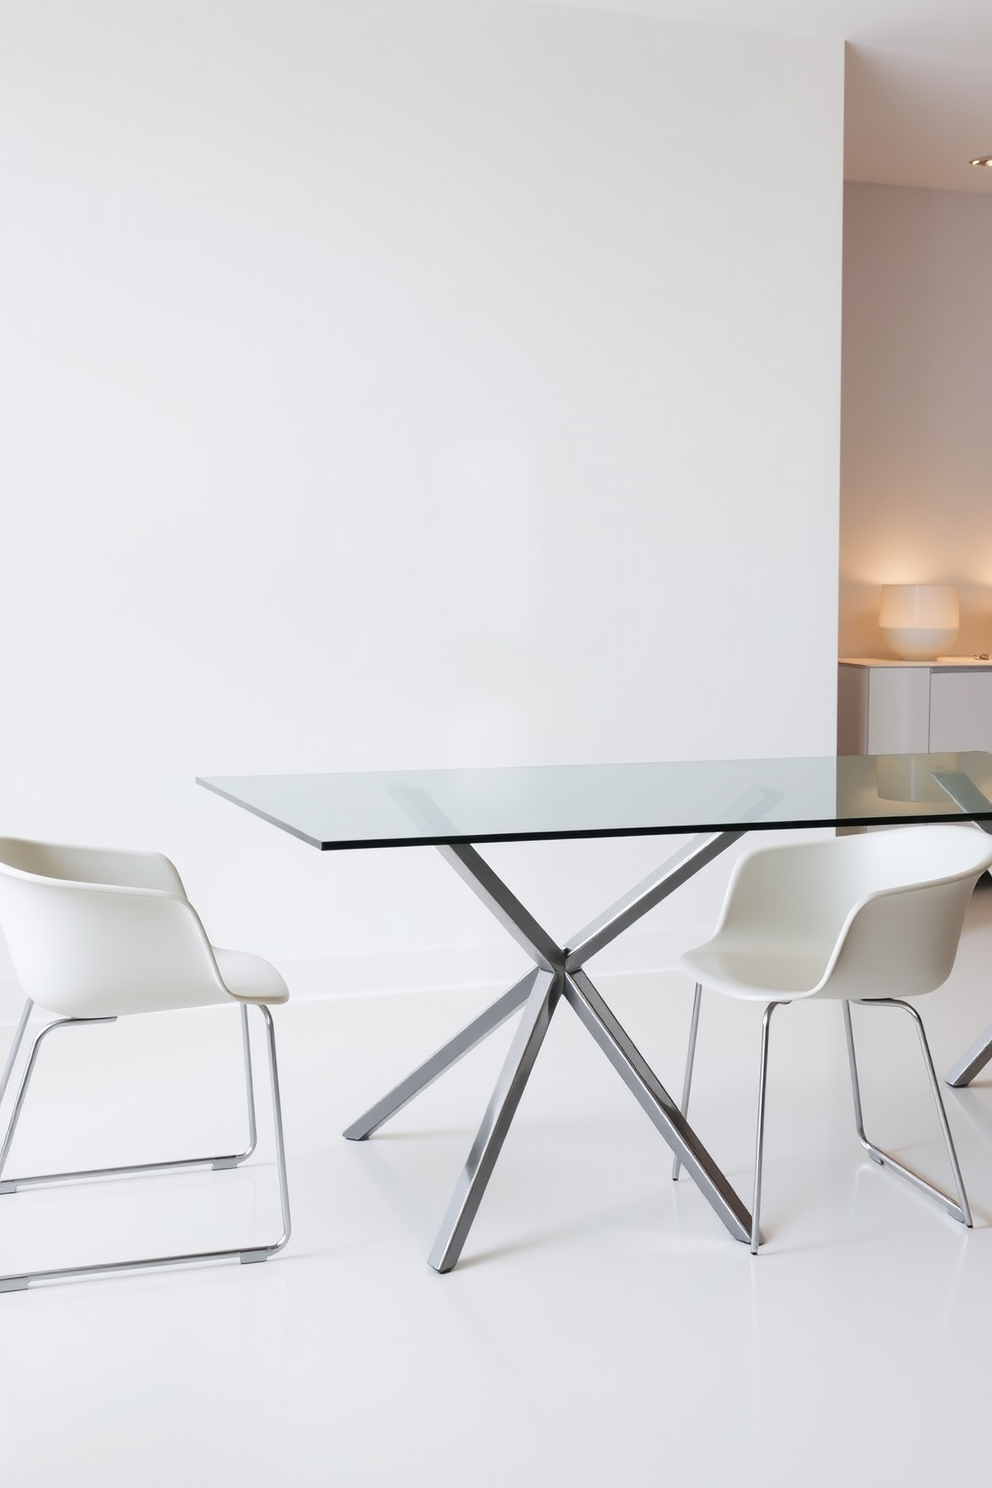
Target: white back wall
916 502
403 383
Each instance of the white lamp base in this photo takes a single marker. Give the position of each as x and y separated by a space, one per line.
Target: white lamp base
912 643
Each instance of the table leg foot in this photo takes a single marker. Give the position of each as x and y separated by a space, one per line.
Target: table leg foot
456 1048
465 1201
653 1098
973 1062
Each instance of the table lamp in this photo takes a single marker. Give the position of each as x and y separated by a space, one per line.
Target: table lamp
919 621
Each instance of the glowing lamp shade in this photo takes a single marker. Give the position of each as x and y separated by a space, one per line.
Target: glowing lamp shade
919 621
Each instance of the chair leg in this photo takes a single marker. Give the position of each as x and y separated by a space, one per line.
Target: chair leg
961 1210
227 1160
759 1140
262 1252
246 1255
239 1157
15 1046
10 1185
690 1060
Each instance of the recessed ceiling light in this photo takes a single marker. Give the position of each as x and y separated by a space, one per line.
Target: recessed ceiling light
983 160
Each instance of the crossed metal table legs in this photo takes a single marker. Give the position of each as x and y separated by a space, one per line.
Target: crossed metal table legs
966 794
972 1062
557 973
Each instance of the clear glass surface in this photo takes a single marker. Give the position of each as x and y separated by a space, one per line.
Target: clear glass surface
397 808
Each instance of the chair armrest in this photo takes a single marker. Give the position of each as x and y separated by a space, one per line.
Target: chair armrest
116 867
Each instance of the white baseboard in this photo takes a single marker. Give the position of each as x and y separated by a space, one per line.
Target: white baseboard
472 966
441 967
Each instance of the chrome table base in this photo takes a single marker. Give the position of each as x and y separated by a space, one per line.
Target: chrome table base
967 795
558 974
248 1255
972 1062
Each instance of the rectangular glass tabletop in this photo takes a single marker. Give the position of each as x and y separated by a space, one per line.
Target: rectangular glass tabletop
713 802
397 808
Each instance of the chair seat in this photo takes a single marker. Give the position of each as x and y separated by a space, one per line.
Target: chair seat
250 978
757 976
868 918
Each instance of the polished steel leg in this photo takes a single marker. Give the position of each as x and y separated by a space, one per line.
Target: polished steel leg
690 1059
759 1140
961 1210
15 1047
507 909
541 1002
964 793
558 971
972 1062
239 1157
456 1048
684 864
655 1100
10 1185
246 1255
262 1252
38 1180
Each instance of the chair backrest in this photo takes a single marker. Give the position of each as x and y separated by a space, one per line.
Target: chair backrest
95 932
881 912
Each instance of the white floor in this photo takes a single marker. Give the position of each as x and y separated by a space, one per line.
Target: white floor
602 1328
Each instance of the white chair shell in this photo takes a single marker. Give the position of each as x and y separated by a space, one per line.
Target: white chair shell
872 918
97 934
872 915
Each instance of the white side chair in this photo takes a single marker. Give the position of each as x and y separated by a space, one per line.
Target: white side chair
96 934
872 918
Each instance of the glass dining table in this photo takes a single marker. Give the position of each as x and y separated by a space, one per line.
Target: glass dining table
707 804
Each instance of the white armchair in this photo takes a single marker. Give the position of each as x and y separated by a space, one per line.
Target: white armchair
872 918
96 934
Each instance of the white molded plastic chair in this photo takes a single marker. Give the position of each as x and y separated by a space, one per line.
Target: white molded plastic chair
872 918
96 934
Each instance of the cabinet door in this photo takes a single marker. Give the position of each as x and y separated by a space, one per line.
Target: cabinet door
899 710
961 710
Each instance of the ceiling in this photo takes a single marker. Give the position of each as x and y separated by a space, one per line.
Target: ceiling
919 77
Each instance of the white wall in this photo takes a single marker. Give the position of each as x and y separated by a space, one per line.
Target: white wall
916 504
404 383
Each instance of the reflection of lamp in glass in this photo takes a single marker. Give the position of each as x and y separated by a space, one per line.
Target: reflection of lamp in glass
919 621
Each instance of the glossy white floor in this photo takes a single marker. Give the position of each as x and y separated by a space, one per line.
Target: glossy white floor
602 1327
